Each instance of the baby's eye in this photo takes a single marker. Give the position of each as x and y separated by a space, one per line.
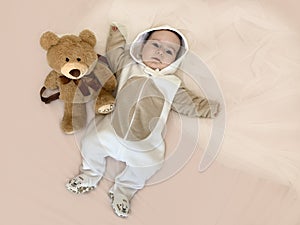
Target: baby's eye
169 52
155 44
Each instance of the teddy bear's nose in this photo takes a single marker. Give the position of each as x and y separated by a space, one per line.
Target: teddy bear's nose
75 72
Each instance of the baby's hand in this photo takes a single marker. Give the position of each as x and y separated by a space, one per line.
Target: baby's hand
215 108
114 28
119 27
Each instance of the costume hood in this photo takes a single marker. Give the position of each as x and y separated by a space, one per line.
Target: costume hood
137 45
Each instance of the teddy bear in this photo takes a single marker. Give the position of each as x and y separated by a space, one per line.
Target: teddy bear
79 76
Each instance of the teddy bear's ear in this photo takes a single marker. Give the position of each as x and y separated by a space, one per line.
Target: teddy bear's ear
89 37
48 39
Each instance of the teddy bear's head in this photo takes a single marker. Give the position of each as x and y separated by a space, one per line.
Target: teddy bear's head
71 55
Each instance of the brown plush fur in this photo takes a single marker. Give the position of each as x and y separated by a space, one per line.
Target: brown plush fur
75 63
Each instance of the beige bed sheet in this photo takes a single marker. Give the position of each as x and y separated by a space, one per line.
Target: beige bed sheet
252 47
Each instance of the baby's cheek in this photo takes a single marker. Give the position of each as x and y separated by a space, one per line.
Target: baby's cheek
171 59
167 62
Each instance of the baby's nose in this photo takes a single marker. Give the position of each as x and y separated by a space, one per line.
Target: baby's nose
159 51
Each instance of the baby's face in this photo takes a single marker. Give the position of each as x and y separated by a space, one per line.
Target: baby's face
161 49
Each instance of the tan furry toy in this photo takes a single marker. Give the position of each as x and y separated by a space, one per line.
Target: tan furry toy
79 75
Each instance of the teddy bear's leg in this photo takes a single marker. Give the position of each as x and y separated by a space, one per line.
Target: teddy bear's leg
105 102
74 118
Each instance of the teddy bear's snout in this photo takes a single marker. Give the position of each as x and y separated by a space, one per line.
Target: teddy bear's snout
75 73
74 70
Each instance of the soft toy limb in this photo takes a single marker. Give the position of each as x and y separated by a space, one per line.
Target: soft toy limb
106 77
51 80
74 118
111 84
105 102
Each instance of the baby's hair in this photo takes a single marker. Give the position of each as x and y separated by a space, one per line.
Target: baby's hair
174 32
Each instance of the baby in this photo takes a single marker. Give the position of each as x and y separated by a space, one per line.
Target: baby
148 89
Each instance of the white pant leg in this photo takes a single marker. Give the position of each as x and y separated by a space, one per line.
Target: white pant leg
93 154
133 179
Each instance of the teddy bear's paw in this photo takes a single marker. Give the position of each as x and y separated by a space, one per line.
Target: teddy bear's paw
71 125
106 109
68 127
69 131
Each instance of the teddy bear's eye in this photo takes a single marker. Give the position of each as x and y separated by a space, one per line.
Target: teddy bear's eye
78 59
67 59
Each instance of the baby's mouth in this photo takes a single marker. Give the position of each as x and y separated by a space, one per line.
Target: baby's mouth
156 59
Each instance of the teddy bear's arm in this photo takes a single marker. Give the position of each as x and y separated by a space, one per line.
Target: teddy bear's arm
106 77
189 104
115 47
51 80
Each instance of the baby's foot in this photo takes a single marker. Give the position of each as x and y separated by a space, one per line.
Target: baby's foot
82 184
120 204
